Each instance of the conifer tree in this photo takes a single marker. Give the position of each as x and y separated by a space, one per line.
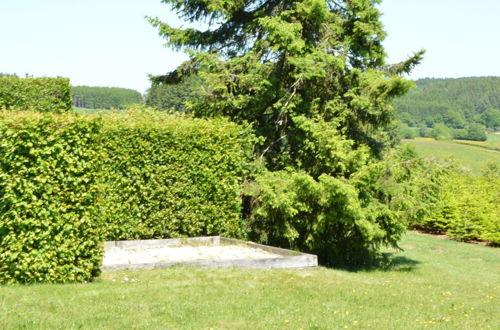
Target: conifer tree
311 77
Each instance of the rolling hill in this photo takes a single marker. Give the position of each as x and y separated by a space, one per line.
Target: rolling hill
454 102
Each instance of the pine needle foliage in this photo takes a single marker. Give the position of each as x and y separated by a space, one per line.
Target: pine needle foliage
312 79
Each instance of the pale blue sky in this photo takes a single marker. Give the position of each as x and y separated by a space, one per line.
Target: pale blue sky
109 43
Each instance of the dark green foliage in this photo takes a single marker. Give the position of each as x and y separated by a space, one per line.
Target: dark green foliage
169 176
407 132
68 182
491 119
291 68
455 102
39 94
476 132
311 77
345 220
441 132
174 97
326 216
454 119
105 97
460 134
50 229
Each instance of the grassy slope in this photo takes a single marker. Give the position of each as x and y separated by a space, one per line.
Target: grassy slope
434 282
493 137
471 156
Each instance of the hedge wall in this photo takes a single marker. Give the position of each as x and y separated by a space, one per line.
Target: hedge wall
69 181
40 94
50 230
173 176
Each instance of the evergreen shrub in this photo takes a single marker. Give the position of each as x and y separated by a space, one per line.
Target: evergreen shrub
328 216
40 94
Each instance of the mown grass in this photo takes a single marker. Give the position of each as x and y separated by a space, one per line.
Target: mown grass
434 283
482 144
493 137
472 157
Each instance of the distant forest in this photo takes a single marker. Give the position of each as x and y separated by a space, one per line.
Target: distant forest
104 97
457 104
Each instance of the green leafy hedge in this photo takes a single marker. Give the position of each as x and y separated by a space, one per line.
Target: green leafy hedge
40 94
173 176
67 182
50 230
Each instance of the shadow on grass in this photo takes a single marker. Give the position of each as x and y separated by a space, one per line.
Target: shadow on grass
399 263
388 262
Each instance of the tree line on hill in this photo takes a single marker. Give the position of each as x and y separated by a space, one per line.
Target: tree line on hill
473 131
99 97
452 108
104 97
423 112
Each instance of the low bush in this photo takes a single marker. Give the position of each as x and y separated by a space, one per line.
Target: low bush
468 209
345 220
50 229
337 219
39 94
417 182
407 132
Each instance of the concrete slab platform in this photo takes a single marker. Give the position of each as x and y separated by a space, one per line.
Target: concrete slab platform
213 252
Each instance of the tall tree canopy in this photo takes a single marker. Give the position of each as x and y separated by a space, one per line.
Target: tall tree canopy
311 77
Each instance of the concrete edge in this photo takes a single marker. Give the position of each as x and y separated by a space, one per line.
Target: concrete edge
209 240
267 248
296 262
289 259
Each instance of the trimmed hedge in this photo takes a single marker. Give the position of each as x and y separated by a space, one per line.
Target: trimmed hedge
173 176
67 182
40 94
50 230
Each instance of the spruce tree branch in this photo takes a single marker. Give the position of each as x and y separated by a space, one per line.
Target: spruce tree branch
282 119
270 145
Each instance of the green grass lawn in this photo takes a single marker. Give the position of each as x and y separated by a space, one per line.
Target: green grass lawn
471 156
492 137
434 283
